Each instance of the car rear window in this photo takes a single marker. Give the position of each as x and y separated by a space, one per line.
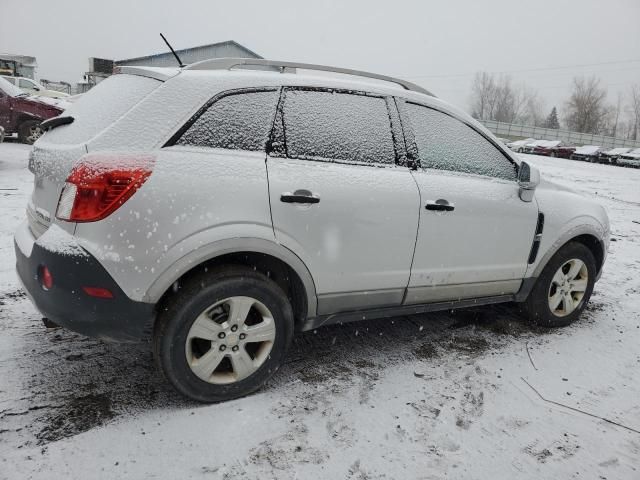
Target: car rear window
101 106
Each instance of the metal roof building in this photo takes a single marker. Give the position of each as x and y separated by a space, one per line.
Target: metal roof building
229 48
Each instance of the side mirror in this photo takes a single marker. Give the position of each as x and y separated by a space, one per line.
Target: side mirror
528 180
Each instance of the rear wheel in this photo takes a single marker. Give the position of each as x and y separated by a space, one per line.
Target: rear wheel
224 334
564 287
29 132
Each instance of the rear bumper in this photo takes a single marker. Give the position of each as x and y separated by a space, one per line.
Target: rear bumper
118 319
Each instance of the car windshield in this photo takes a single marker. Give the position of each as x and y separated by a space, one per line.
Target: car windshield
10 89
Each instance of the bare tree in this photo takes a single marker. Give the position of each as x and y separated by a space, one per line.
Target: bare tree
496 98
483 96
533 110
634 110
616 116
586 111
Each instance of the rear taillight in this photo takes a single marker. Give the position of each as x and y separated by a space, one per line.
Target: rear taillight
100 183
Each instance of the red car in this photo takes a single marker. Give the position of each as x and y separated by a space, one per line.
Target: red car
560 152
22 114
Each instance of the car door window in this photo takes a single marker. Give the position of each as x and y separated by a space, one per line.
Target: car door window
239 121
337 126
445 143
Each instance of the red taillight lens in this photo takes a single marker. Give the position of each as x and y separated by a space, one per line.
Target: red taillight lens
100 183
46 279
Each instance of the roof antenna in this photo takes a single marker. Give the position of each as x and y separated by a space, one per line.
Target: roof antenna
182 65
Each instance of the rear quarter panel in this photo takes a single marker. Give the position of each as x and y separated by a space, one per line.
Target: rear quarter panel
193 198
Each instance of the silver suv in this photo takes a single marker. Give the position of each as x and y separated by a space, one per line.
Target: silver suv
223 206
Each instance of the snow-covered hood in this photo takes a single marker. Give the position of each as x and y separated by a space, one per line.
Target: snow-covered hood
54 102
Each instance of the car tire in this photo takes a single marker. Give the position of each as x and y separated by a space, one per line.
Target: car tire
29 132
201 308
564 287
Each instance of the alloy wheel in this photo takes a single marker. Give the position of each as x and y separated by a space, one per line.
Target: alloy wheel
35 132
230 340
568 287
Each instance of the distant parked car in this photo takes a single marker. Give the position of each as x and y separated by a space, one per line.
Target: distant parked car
560 151
32 87
541 146
611 156
518 145
631 159
587 153
22 114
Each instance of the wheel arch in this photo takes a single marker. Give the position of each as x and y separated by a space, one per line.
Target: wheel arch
589 236
274 260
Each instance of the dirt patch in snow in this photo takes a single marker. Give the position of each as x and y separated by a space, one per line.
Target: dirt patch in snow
77 415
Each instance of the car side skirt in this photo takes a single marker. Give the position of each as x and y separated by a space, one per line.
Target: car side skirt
387 312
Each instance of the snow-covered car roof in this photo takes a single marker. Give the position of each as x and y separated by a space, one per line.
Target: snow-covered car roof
588 150
618 151
56 102
520 143
545 143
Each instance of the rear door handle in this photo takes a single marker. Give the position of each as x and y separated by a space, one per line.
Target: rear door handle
299 196
440 205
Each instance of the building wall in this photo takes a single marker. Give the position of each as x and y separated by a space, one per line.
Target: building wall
191 55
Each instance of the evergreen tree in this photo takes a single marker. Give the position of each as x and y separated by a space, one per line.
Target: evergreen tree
552 119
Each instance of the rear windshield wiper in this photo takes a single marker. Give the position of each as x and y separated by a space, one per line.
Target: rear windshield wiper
56 122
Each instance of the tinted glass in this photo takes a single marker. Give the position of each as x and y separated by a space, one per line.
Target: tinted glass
337 126
239 121
448 144
26 84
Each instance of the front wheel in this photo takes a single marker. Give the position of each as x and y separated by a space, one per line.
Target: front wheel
224 334
563 289
30 131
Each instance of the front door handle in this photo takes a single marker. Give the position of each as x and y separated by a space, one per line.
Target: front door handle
300 196
440 205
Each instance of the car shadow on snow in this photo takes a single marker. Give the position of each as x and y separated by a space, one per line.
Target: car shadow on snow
72 384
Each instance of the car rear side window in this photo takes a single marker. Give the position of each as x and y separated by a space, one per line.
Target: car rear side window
445 143
330 125
240 121
101 107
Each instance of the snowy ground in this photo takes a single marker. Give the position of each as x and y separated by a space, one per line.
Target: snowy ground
431 396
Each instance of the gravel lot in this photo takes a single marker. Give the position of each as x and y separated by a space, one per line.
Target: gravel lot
472 394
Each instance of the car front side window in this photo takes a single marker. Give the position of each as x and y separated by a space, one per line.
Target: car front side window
445 143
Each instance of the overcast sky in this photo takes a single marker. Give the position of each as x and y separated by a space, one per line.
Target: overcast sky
438 44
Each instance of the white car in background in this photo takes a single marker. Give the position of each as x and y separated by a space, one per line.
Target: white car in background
631 159
32 87
518 145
